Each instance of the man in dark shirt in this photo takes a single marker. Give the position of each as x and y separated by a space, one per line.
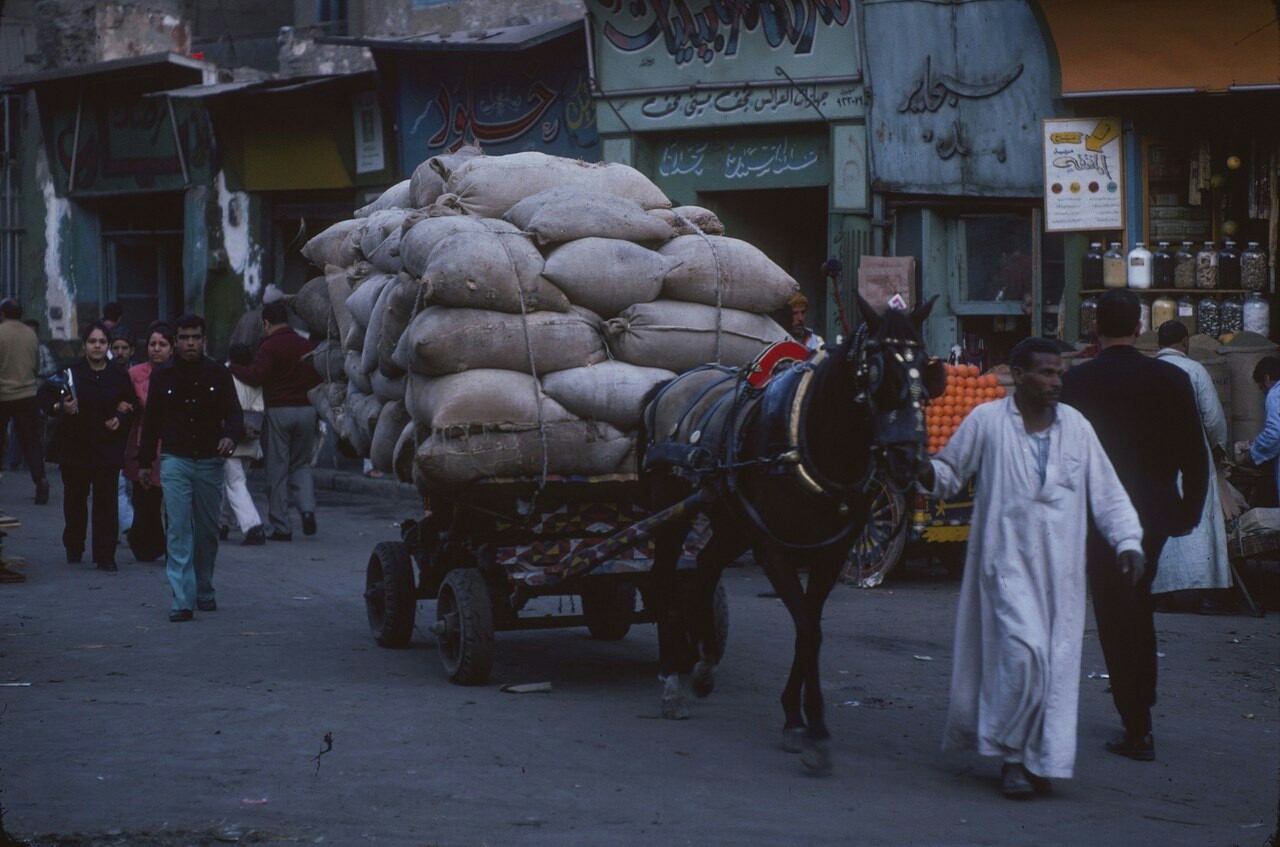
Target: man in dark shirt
285 377
195 420
1144 413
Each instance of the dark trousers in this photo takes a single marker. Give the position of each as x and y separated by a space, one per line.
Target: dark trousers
23 414
1126 629
146 537
77 485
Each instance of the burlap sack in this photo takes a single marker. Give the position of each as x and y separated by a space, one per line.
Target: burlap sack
391 423
446 163
748 279
494 269
610 391
424 234
427 183
402 298
395 197
572 448
1243 352
358 379
406 447
336 280
329 360
361 301
380 243
337 394
479 400
441 340
362 412
567 214
311 305
387 389
681 336
319 399
690 220
337 245
373 332
606 275
489 186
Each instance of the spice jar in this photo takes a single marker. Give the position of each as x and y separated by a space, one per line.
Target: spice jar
1089 315
1257 314
1162 266
1230 315
1144 316
1207 266
1113 272
1163 309
1138 272
1093 266
1229 266
1253 267
1187 313
1207 321
1184 267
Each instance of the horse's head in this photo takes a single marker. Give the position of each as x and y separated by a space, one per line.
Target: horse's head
894 378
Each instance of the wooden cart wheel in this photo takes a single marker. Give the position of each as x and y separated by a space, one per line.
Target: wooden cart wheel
389 596
878 549
464 627
720 608
609 610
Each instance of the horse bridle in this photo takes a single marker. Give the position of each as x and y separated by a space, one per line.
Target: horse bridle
868 356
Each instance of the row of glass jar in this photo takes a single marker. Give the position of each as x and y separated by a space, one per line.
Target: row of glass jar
1209 316
1185 268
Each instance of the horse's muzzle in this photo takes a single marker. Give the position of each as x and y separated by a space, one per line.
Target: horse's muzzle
900 464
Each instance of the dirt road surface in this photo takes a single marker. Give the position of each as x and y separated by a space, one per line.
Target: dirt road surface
120 728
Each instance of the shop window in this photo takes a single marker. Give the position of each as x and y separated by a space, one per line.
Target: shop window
996 257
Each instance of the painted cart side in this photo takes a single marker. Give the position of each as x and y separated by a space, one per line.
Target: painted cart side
932 528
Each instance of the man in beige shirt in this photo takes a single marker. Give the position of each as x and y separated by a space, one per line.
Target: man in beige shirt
19 361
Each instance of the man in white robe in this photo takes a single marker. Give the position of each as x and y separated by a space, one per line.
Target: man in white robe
1020 624
1198 560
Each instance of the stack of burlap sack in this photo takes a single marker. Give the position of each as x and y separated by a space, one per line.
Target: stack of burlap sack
503 316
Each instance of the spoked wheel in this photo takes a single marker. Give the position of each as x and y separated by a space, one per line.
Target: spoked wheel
883 541
720 608
464 627
389 596
609 610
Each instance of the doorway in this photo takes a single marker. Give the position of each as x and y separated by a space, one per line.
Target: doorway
144 275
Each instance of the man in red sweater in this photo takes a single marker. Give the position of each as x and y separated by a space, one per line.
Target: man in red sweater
285 378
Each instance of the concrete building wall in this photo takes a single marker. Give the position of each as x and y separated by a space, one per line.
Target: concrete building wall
73 32
404 17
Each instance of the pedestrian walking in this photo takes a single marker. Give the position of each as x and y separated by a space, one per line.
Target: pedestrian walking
94 405
1198 560
1040 470
46 368
1144 413
122 347
19 366
147 537
237 503
193 422
285 376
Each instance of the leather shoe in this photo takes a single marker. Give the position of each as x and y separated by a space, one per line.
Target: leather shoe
1015 782
180 616
207 605
224 532
280 536
42 492
1139 748
254 537
308 523
109 567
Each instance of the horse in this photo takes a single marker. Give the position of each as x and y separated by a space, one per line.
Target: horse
785 471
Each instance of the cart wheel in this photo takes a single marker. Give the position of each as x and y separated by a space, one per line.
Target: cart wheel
609 610
389 596
878 550
720 608
464 627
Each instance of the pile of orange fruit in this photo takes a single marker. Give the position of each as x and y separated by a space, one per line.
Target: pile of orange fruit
965 390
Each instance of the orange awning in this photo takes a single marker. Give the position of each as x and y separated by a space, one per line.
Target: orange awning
1164 46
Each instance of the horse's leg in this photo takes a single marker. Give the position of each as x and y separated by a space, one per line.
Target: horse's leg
668 541
823 572
786 581
724 546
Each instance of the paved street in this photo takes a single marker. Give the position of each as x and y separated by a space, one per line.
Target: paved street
126 729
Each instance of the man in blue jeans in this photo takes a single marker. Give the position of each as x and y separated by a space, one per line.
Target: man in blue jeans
194 419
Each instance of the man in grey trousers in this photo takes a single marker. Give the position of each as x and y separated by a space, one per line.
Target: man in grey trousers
285 377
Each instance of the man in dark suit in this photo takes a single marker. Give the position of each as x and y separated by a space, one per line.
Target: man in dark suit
1144 413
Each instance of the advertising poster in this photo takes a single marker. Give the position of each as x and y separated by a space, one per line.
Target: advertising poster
1083 175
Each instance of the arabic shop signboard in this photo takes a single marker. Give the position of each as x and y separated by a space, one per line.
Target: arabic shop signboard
1083 175
794 160
960 91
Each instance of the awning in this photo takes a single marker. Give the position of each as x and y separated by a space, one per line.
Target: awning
288 85
502 39
1121 47
166 69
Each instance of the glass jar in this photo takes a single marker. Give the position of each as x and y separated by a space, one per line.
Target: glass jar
1093 266
1207 267
1089 315
1229 266
1162 266
1184 267
1257 314
1231 315
1113 272
1138 272
1144 317
1187 311
1253 267
1163 309
1207 320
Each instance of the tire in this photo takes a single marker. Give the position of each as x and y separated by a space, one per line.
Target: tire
878 550
464 627
389 596
609 610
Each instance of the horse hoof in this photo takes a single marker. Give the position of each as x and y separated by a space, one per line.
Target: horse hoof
675 709
793 739
704 679
816 756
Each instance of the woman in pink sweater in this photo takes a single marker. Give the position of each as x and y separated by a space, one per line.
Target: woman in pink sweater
147 537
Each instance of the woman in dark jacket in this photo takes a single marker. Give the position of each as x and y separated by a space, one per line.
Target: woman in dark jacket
94 406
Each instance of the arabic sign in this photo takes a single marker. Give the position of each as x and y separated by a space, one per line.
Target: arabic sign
447 103
961 89
658 44
792 160
1083 175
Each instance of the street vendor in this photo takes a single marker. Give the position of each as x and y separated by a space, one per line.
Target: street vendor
1266 447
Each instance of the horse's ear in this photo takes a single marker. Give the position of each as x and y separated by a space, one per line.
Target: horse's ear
921 312
869 315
